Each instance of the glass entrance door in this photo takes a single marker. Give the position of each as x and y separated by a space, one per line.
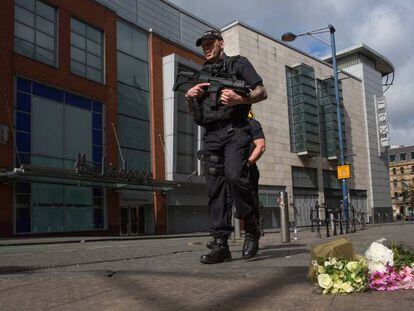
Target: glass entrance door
129 221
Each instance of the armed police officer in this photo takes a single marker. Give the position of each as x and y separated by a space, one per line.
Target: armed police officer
226 146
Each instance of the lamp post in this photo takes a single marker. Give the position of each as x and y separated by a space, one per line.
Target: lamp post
291 37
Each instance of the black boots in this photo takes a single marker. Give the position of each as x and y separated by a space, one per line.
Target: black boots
251 242
210 244
220 252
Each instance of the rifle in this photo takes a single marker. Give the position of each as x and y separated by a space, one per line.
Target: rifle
218 82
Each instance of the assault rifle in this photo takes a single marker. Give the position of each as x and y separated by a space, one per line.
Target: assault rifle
218 82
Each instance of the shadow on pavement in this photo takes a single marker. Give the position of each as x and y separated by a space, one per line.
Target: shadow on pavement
289 245
16 269
207 291
278 254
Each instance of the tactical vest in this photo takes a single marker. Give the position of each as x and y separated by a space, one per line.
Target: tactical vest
208 114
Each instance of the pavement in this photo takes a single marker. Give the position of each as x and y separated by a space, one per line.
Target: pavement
164 273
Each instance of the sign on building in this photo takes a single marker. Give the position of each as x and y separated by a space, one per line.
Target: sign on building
382 123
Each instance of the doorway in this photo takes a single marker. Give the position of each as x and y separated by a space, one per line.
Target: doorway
129 221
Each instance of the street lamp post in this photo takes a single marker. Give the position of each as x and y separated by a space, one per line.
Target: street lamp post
291 37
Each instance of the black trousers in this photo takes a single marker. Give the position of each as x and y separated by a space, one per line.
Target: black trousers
231 143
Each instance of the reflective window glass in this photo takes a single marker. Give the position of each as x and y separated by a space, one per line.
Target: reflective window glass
35 30
133 102
87 49
134 133
132 71
132 41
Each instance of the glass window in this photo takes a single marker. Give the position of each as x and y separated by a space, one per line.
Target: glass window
395 183
86 51
132 41
35 31
134 133
403 156
133 102
27 4
133 71
305 177
402 170
394 171
412 155
133 97
137 160
392 157
46 137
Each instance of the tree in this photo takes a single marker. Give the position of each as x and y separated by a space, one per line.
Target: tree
408 196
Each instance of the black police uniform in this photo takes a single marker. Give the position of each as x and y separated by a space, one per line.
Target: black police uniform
254 175
230 141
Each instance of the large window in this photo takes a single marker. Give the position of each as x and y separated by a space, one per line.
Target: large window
328 118
186 135
303 110
52 127
86 51
304 177
392 157
133 97
35 30
403 156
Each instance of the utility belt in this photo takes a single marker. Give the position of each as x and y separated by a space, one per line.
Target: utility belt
212 164
229 124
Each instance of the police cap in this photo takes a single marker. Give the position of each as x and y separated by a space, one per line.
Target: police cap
208 35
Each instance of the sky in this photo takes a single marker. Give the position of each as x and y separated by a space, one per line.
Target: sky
384 25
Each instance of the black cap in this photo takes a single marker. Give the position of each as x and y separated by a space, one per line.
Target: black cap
208 35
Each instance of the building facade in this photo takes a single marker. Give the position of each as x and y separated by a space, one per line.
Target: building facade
401 174
94 141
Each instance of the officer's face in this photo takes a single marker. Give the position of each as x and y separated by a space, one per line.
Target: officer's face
212 49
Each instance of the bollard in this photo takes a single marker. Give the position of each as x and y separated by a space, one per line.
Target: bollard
353 220
318 221
311 219
284 218
327 220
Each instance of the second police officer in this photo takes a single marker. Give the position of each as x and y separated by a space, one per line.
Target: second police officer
226 146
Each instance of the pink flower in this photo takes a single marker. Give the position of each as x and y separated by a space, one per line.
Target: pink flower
406 278
378 278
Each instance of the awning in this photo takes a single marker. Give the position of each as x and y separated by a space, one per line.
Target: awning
30 173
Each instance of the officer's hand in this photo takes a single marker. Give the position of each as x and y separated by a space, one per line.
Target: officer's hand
231 98
196 91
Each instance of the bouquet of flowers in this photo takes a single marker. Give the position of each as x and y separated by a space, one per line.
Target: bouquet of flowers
340 276
390 268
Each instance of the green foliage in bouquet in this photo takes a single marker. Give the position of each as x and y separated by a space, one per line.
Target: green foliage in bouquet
402 256
340 276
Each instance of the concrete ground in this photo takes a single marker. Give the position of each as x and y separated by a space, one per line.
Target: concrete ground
165 274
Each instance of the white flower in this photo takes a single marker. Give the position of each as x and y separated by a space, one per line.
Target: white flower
374 266
321 269
339 265
325 281
347 288
352 266
381 253
314 263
